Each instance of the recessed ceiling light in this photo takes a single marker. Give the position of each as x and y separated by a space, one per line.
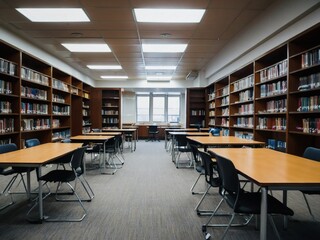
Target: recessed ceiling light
169 48
104 67
86 47
54 14
168 15
114 77
159 78
160 67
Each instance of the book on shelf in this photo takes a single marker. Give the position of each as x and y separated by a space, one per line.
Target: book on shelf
243 83
310 125
310 58
58 84
272 123
311 81
33 93
61 110
5 107
35 124
309 104
6 125
8 67
5 141
5 87
245 135
274 71
34 76
276 144
245 109
34 108
272 89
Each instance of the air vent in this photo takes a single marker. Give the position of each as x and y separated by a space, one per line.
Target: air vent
192 75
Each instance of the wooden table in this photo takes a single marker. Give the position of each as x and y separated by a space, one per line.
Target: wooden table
167 130
233 141
272 170
97 139
183 133
133 131
36 157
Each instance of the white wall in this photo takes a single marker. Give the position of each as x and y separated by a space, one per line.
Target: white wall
282 21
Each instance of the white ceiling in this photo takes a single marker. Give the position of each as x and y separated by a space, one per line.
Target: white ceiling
112 22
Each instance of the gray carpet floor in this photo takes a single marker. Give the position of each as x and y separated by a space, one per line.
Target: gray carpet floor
148 198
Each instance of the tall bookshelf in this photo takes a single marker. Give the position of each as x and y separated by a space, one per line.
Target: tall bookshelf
111 108
37 100
86 113
222 100
304 92
196 107
241 102
275 98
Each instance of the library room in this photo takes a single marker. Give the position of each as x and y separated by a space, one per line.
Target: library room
171 119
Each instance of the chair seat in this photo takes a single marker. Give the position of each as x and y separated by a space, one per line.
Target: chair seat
59 176
250 202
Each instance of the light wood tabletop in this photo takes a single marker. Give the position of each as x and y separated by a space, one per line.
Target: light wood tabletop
189 133
37 155
91 138
103 133
272 169
223 140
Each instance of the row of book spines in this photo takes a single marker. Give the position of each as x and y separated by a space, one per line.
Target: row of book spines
246 109
35 124
109 112
6 125
199 112
275 106
311 81
8 67
272 123
245 135
61 134
225 100
110 120
34 108
55 123
246 95
310 58
34 93
5 87
277 70
272 89
244 122
61 110
58 84
311 125
5 107
34 76
225 122
306 104
276 144
243 83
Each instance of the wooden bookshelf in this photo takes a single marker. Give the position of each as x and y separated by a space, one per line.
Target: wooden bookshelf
37 100
111 108
86 113
196 107
285 99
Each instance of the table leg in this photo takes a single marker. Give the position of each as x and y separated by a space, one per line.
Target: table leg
263 214
40 196
285 217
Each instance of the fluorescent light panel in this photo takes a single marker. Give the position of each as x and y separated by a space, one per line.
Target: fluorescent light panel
168 15
160 67
104 67
164 48
86 47
54 14
159 78
114 77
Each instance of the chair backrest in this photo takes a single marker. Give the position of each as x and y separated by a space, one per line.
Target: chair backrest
181 140
32 142
208 168
194 151
77 160
312 153
228 175
8 148
215 131
153 128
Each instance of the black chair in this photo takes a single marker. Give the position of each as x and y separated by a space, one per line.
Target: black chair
113 150
15 171
212 179
181 146
312 154
198 165
153 132
67 176
242 202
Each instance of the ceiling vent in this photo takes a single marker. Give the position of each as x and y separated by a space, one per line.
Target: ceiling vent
192 75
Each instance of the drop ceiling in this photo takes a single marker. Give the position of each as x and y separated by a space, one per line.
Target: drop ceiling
112 22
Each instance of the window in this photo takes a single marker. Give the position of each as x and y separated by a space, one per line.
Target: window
158 107
174 109
143 108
